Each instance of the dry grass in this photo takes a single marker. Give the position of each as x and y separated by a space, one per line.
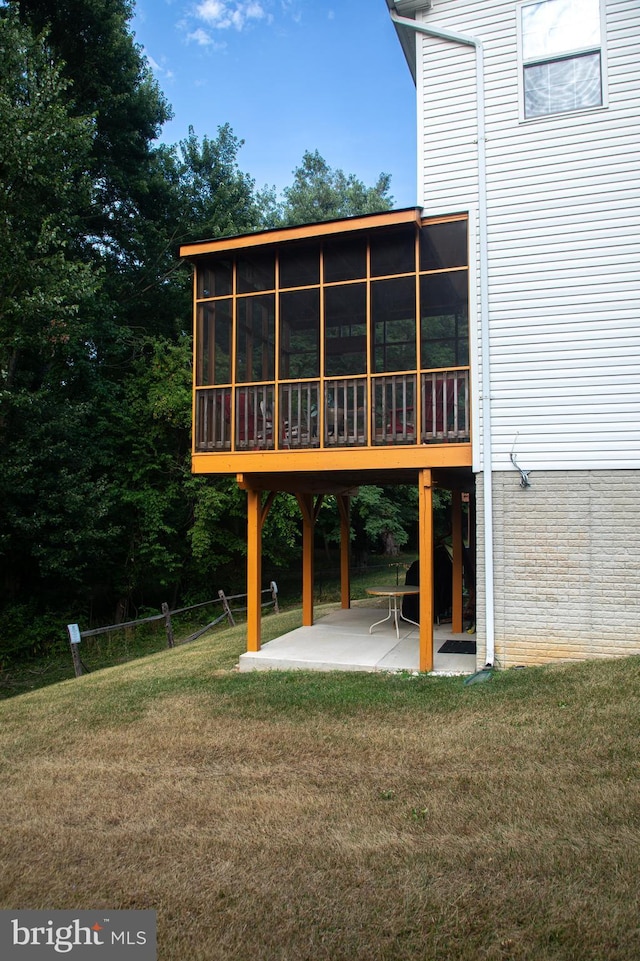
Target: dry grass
339 817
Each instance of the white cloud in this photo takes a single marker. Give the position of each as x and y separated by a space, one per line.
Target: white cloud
222 14
201 37
212 11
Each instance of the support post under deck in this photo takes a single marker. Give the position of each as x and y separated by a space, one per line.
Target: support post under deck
345 550
305 502
425 497
456 539
254 568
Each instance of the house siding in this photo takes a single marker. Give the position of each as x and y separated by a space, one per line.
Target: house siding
563 201
566 566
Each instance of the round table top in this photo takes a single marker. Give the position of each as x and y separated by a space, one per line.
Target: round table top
393 591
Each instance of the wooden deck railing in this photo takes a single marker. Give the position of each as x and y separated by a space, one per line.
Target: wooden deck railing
445 406
345 412
299 414
394 409
348 418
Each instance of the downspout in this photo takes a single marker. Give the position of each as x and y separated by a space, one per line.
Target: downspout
465 40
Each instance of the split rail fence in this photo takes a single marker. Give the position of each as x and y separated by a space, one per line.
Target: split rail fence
76 636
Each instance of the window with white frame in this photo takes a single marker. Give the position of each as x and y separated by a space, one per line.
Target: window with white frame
561 56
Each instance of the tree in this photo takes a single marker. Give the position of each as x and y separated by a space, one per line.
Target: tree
45 343
44 153
112 83
383 517
319 193
109 83
216 199
70 332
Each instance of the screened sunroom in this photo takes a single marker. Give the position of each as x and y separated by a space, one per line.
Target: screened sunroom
349 334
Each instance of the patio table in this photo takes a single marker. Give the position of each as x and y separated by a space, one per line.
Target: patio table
395 613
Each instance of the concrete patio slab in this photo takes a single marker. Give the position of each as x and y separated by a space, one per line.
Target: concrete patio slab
341 641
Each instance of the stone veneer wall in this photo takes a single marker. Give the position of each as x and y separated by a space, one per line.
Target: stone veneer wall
567 566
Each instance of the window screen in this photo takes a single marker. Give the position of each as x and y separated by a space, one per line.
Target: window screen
561 56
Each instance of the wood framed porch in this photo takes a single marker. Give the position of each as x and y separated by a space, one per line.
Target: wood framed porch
329 356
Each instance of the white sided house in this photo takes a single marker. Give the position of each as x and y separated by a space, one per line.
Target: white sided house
528 120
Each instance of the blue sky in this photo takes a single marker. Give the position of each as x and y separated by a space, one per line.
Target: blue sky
288 76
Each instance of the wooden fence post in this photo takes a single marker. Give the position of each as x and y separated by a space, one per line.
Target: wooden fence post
167 624
227 609
74 639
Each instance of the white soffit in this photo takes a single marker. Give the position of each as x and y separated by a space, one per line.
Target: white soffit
406 36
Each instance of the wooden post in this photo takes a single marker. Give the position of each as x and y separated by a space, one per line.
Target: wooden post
456 540
345 550
425 496
167 624
305 502
254 568
226 608
74 640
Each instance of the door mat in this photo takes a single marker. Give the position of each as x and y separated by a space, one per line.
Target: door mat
453 646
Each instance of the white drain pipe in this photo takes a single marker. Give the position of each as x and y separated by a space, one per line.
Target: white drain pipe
467 41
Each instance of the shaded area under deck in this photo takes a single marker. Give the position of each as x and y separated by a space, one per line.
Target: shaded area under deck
340 641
